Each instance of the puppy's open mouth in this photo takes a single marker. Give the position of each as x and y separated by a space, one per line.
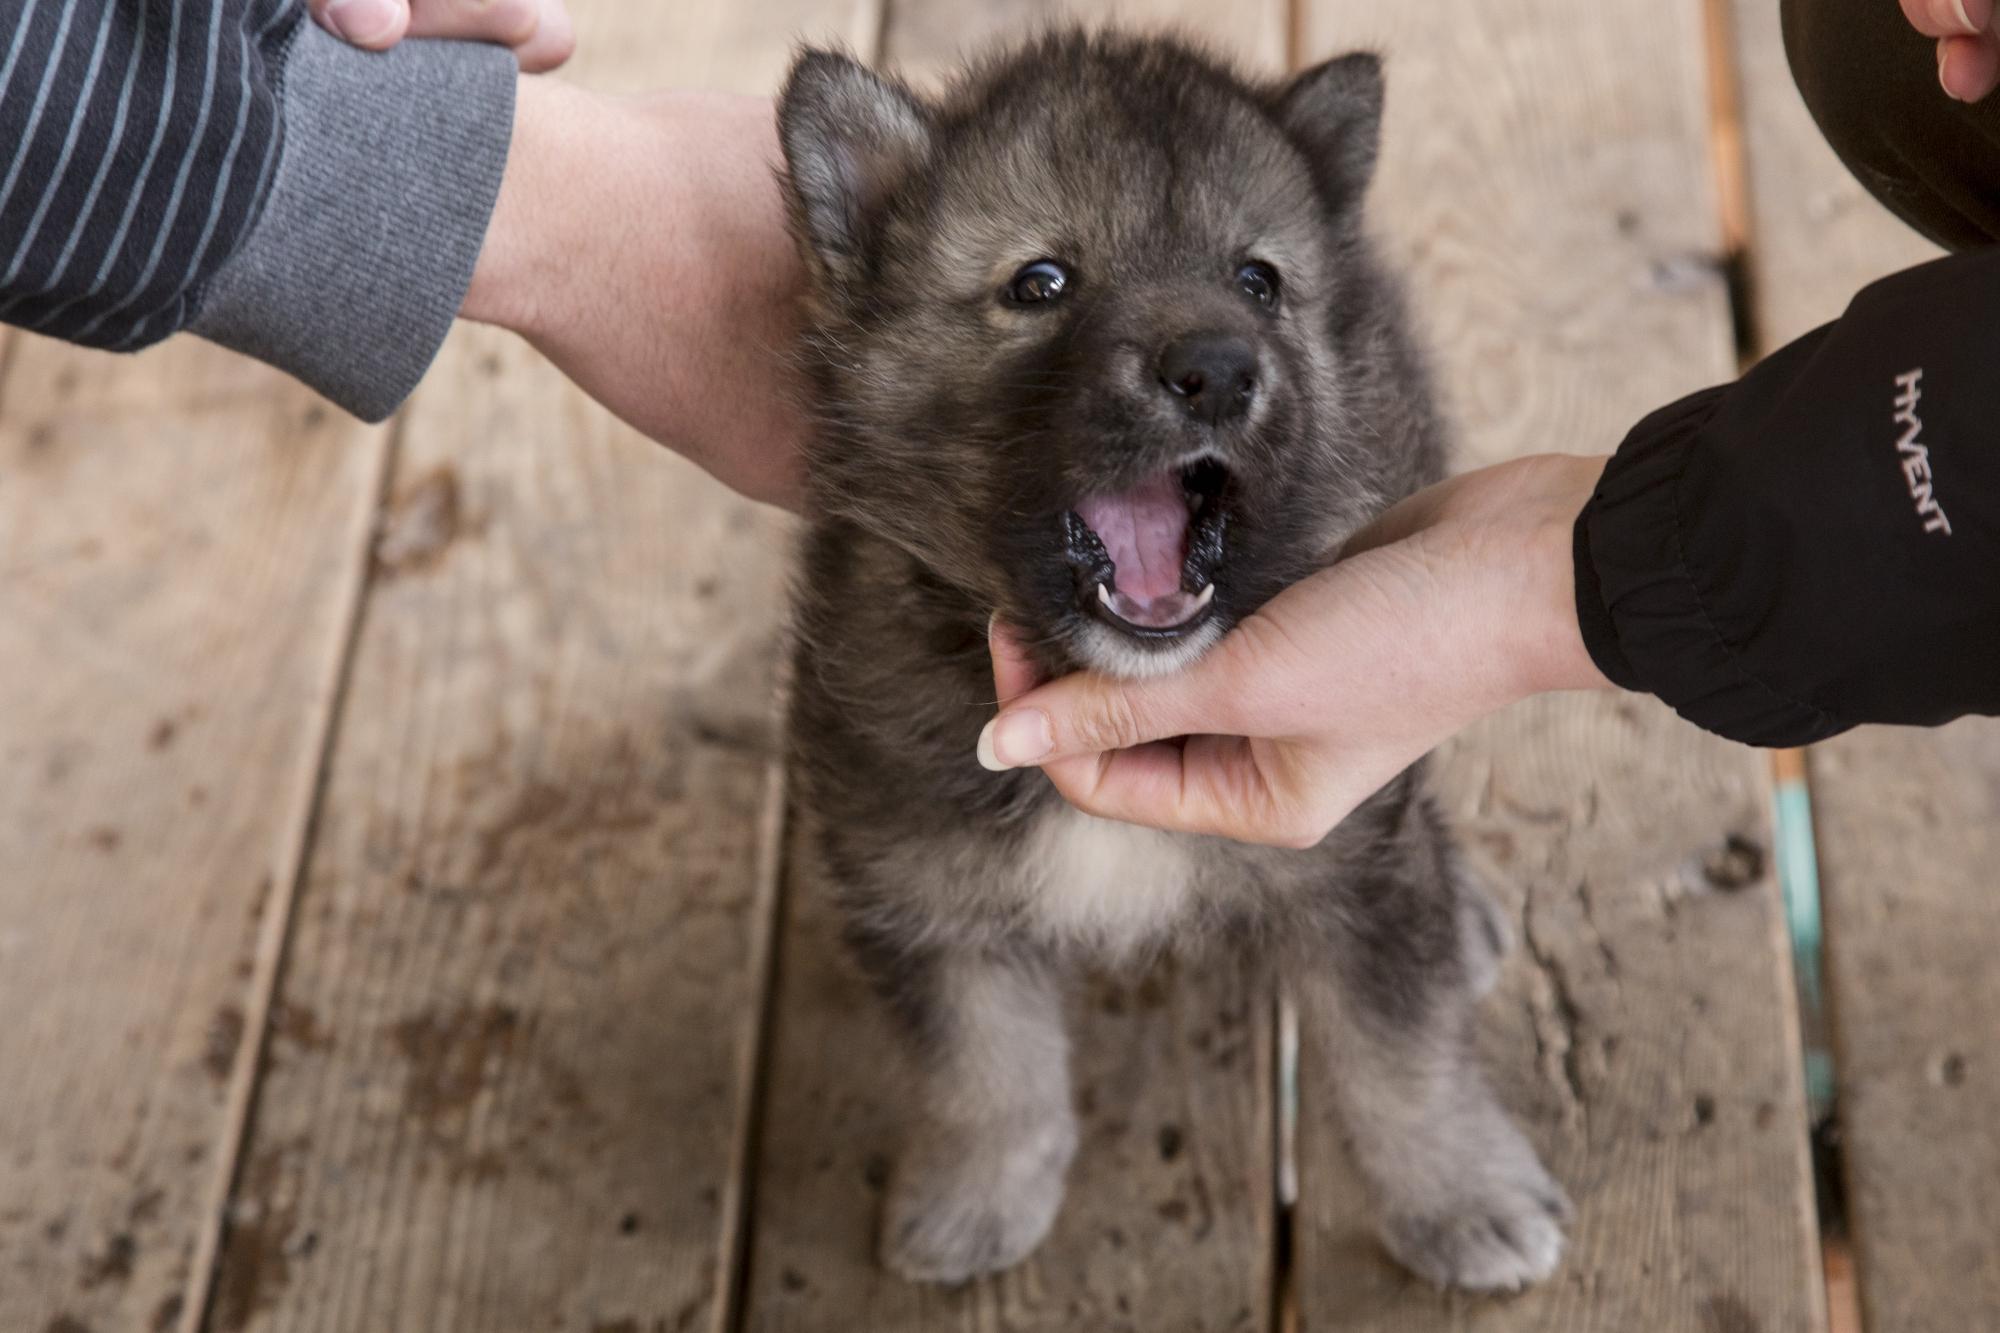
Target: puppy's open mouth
1146 558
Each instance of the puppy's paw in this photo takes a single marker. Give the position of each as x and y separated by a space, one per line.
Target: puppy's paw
1508 1240
964 1204
1495 1224
1483 1213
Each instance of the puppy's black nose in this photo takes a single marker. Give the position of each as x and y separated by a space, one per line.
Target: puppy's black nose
1214 374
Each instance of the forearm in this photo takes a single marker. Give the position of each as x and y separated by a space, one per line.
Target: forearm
640 244
1815 546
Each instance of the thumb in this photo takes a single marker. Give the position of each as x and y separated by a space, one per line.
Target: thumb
373 25
1084 714
1107 746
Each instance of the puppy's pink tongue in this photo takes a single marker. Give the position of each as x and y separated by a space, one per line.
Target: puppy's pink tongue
1144 531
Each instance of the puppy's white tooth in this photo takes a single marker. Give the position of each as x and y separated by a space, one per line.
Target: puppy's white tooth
1104 596
1204 597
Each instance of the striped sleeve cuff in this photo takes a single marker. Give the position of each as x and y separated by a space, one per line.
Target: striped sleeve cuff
356 265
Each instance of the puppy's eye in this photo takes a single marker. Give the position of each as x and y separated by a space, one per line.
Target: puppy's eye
1043 280
1259 282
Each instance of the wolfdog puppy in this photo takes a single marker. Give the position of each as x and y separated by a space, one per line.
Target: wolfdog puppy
1098 342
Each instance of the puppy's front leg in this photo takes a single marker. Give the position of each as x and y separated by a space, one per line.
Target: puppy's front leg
981 1175
1461 1196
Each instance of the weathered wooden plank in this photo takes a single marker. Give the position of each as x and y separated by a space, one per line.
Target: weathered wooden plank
1546 180
1909 833
1168 1220
181 540
1905 820
506 1083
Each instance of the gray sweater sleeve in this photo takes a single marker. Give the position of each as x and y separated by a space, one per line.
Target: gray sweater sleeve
361 250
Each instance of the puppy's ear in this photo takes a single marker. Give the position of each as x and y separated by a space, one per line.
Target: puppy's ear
1334 113
849 136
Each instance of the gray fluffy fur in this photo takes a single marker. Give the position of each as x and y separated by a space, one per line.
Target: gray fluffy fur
955 431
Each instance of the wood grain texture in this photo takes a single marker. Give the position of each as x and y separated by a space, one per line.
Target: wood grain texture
181 537
1906 825
1168 1222
505 1087
503 1078
1546 182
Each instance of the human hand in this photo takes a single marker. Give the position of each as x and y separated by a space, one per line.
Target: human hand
1967 46
641 245
539 31
1455 603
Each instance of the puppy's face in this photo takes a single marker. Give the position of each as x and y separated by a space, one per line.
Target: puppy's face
1078 330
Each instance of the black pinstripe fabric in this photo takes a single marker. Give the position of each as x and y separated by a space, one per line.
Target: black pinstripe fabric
137 139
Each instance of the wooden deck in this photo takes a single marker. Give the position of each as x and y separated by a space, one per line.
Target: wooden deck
397 925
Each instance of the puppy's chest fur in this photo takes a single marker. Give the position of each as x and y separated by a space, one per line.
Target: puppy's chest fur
1067 881
1116 889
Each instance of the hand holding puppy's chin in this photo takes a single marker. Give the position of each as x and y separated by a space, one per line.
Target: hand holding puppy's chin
1454 604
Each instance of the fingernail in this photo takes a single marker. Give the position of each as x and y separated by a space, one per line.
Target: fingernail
1960 15
363 20
1941 81
1014 739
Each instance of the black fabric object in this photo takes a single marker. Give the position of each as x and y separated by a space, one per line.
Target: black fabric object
1817 545
1871 83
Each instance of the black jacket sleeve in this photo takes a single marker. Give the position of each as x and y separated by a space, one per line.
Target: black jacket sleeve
1818 544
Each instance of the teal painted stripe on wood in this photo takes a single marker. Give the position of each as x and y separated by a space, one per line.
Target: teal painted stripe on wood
1798 879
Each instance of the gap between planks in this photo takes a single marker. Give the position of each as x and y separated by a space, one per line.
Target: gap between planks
739 1209
1732 175
767 914
1728 140
289 860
